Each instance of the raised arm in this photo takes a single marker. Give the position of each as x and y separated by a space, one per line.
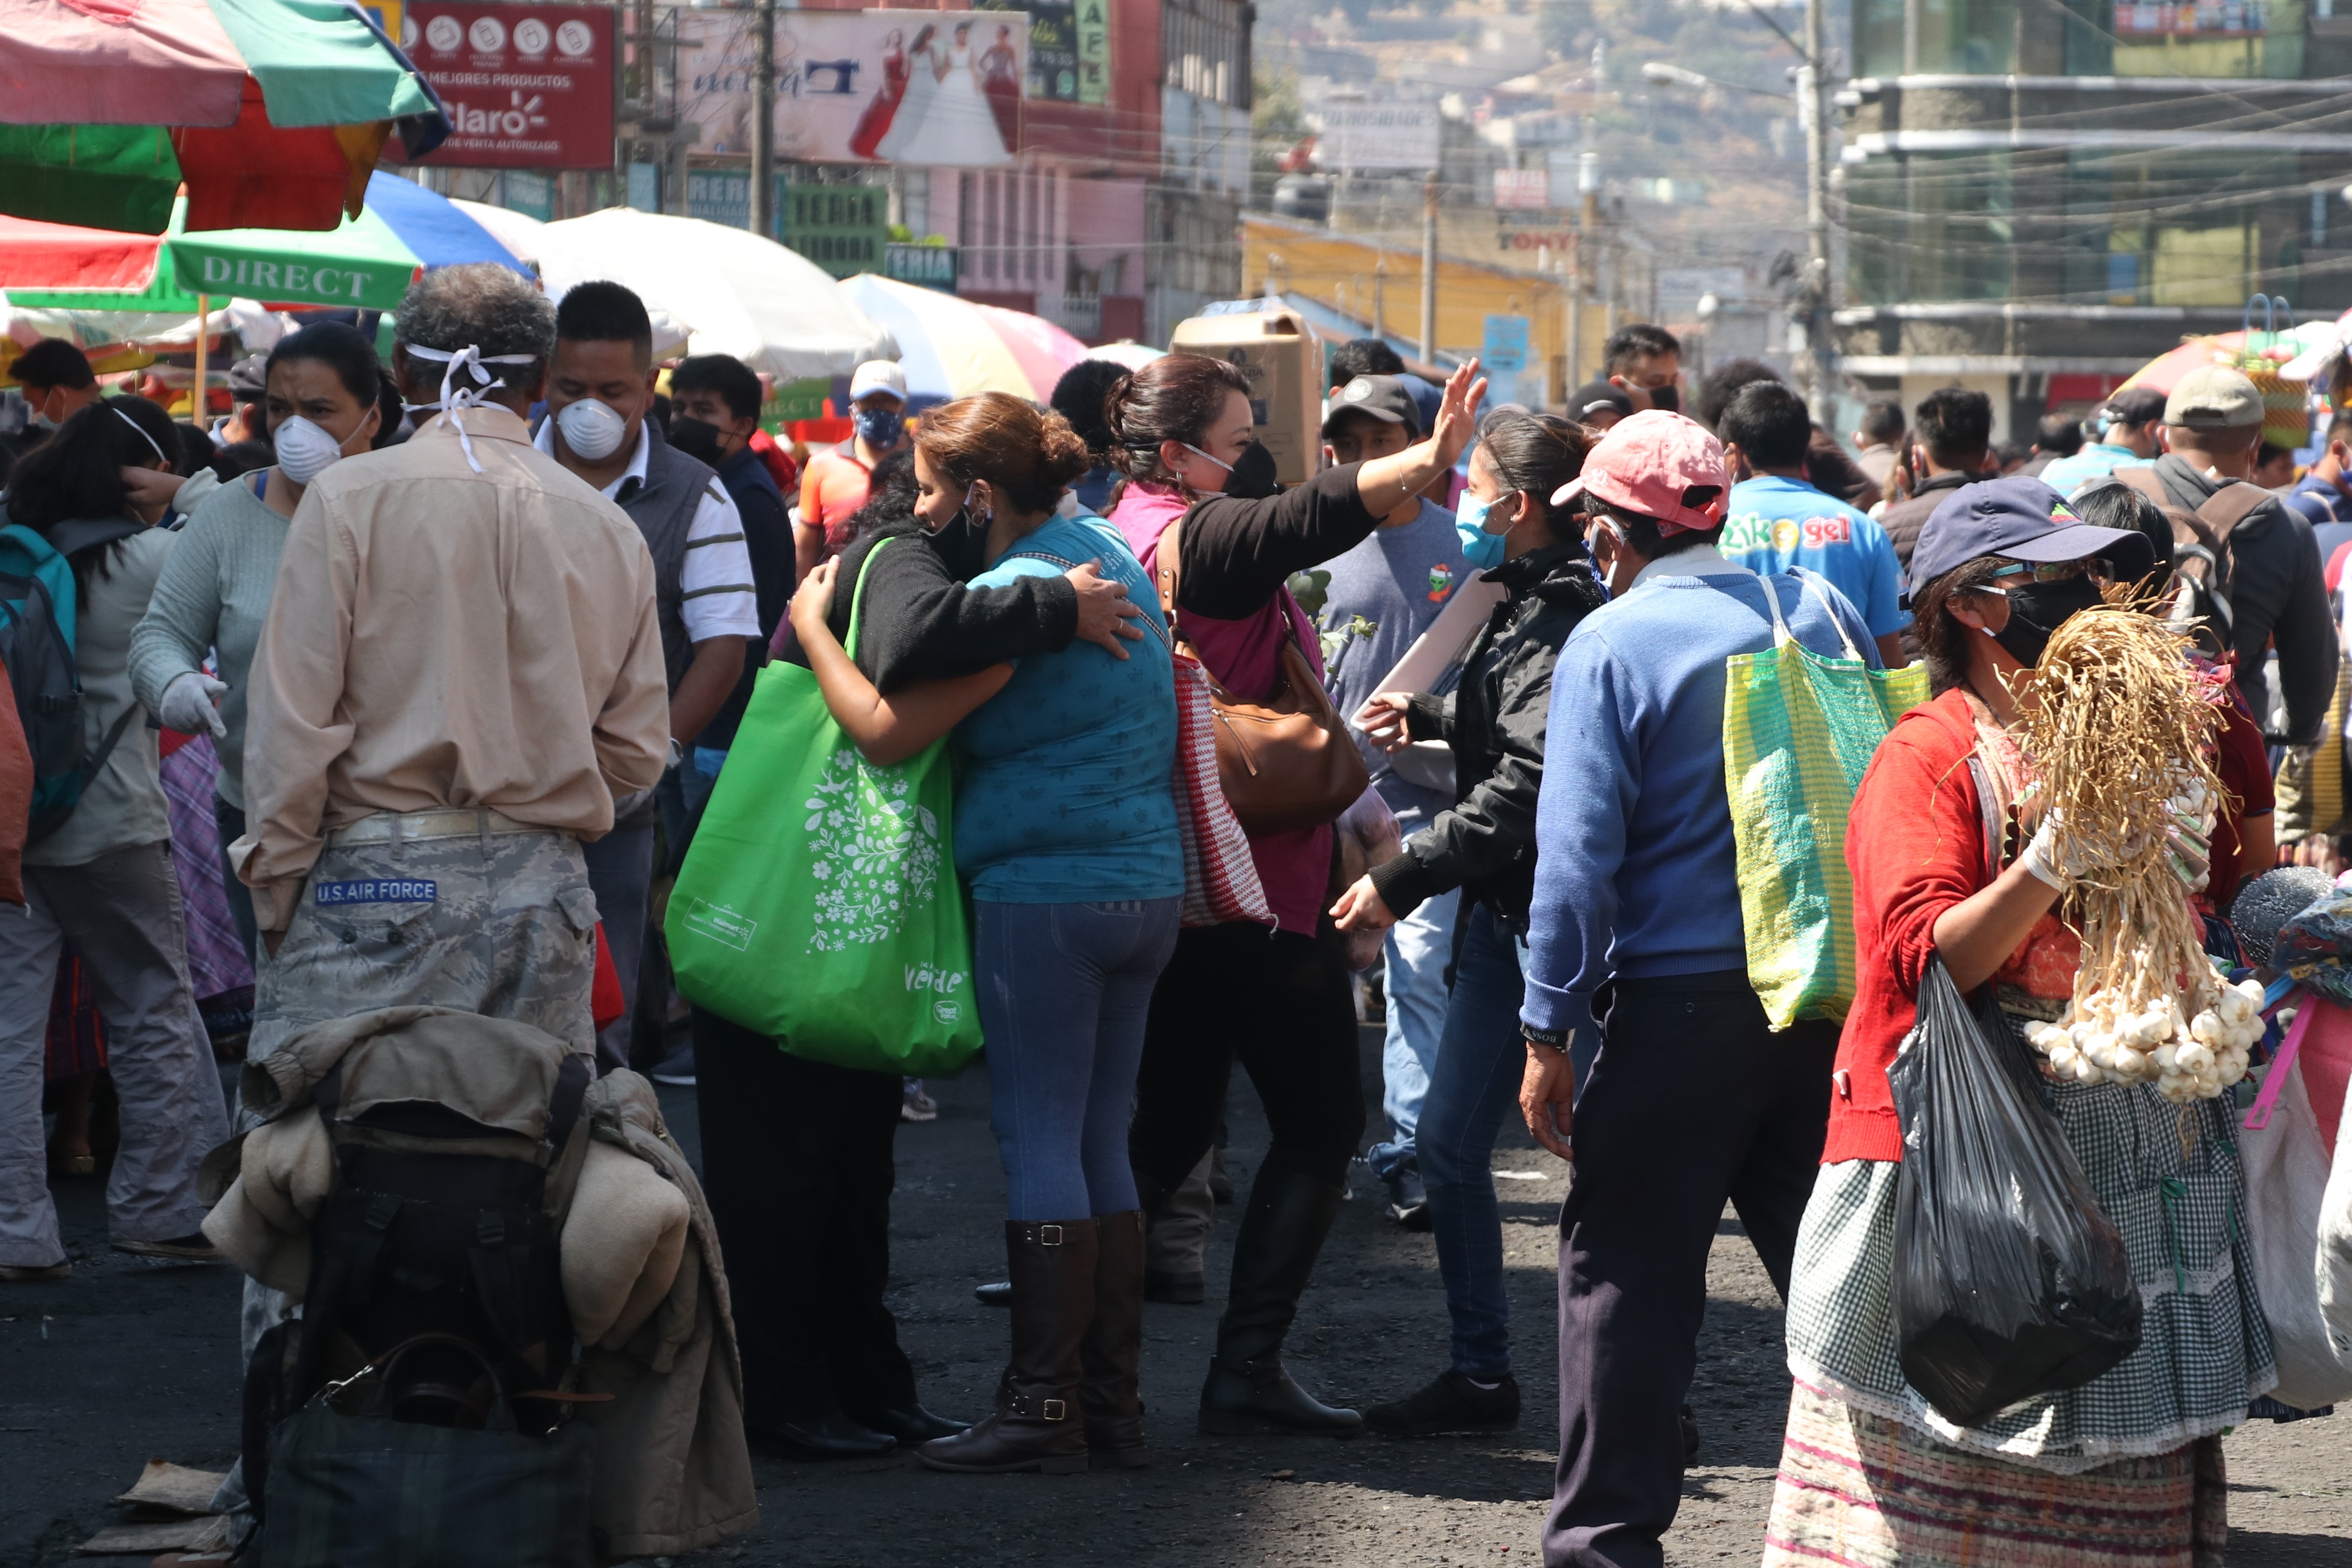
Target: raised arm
1237 552
886 729
1384 482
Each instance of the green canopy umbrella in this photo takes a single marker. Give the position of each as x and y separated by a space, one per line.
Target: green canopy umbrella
271 112
367 262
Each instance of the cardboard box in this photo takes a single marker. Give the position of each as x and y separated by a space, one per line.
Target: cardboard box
1283 359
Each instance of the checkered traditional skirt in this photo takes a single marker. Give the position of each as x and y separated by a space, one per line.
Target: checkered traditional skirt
2115 1470
2169 1179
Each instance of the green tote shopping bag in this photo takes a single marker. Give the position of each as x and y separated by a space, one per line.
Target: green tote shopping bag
819 903
1798 731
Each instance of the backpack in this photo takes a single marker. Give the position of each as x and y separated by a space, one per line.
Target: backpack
2200 553
36 645
438 1227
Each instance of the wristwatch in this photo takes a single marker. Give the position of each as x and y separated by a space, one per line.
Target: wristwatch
676 755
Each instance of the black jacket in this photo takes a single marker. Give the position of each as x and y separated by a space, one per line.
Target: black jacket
922 623
1239 553
1486 844
2277 590
1902 520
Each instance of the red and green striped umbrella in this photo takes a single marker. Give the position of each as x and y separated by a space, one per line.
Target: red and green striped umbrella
272 112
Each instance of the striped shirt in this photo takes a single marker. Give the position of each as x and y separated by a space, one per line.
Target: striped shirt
715 583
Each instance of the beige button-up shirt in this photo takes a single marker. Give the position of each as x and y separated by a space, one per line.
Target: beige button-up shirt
441 638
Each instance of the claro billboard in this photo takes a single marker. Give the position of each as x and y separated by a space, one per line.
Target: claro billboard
526 87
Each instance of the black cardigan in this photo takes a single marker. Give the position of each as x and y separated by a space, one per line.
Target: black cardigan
922 623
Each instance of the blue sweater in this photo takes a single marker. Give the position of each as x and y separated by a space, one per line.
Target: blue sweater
1635 868
1067 796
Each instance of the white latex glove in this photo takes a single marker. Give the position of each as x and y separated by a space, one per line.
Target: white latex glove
2041 858
190 705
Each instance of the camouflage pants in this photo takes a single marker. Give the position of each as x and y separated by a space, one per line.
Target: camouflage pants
500 924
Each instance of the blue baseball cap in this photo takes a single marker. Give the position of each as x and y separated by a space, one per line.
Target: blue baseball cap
1427 396
2018 519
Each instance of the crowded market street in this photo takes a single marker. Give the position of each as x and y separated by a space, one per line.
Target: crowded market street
125 1366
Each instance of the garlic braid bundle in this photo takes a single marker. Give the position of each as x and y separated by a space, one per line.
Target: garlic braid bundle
2119 723
2192 1061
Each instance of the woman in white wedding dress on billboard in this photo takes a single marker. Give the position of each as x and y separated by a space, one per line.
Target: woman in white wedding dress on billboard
945 118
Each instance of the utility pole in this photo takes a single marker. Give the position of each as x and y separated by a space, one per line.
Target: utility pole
1812 83
1585 261
1575 310
1429 270
763 125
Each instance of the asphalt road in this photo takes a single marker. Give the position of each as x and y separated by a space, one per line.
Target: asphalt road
131 1360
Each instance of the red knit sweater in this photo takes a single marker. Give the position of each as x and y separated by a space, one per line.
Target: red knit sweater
1915 845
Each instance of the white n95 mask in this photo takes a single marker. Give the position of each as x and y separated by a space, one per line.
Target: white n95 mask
305 450
591 430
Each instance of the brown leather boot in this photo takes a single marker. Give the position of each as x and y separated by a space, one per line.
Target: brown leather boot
1037 1426
1113 1347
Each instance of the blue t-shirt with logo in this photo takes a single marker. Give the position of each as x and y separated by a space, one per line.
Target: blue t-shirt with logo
1773 523
1067 795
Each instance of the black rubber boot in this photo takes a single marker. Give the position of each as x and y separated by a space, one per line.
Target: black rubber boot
912 1423
1247 1392
1113 1349
831 1436
1175 1289
1036 1425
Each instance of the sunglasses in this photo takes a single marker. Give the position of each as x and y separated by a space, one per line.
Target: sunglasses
2042 572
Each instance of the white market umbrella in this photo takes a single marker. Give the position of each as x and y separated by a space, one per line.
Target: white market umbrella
527 238
1128 352
742 295
519 232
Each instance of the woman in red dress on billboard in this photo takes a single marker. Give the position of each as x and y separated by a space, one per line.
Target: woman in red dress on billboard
875 123
1000 79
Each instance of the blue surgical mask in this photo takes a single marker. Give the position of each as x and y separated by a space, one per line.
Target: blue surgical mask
1480 548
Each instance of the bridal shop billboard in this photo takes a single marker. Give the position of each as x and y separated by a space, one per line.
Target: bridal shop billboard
935 88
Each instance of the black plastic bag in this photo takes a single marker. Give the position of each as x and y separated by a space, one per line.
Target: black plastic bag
2011 1281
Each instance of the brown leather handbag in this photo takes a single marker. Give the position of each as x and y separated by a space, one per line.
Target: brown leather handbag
1287 762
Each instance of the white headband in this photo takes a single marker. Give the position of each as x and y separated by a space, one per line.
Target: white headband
143 435
455 398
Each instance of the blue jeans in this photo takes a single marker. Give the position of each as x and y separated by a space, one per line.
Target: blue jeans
1064 992
620 875
1480 1062
1416 952
701 775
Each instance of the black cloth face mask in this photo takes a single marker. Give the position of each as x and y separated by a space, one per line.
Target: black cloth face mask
2038 609
1668 399
962 543
696 438
1252 478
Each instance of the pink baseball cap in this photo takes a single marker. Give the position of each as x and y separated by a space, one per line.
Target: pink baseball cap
1663 466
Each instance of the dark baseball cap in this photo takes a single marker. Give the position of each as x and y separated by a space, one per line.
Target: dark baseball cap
2134 405
249 378
2017 519
1594 397
1384 398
